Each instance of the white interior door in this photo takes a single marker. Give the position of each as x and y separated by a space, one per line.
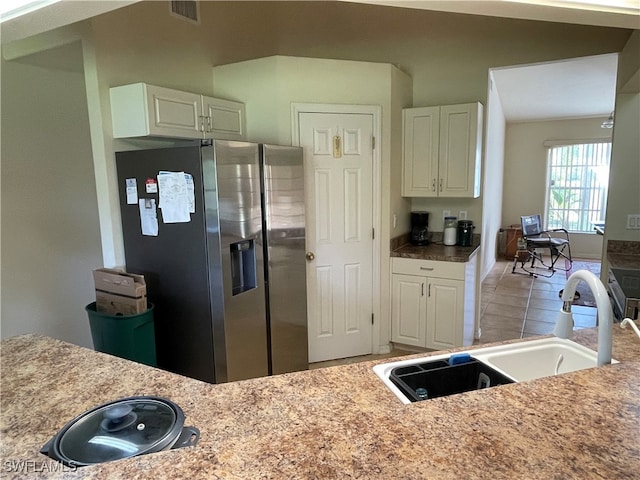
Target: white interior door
338 162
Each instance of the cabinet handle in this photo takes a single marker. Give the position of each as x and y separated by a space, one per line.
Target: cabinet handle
440 184
429 269
422 285
429 290
433 185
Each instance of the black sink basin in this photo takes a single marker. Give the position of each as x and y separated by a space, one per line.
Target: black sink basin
439 379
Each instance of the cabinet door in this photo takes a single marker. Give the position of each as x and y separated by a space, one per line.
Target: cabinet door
408 310
226 119
459 152
445 304
420 152
173 113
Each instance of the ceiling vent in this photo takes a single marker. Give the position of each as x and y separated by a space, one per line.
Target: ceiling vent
187 10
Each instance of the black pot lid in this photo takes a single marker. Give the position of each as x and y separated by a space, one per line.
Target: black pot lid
120 429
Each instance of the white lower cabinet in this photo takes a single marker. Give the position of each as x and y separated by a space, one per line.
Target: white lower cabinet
444 313
409 305
433 303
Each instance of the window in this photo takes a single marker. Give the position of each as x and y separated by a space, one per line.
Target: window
578 179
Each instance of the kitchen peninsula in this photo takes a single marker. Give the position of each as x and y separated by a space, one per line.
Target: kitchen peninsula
332 423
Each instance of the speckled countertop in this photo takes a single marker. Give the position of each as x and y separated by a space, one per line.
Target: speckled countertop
623 254
624 261
436 251
332 423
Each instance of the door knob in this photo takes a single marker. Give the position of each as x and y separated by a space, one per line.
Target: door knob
310 256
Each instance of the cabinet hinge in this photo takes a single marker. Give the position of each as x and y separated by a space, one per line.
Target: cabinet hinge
372 319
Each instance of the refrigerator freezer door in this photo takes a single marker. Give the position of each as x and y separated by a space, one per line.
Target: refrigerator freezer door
284 232
174 264
241 245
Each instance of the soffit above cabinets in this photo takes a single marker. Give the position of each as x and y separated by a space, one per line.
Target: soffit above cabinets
611 13
56 15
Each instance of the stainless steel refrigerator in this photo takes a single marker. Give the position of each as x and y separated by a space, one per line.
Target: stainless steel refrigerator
227 278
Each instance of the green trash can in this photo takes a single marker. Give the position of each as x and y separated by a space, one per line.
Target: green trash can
126 336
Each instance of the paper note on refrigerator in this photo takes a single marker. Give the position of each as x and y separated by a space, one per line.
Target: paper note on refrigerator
132 191
148 216
191 193
174 197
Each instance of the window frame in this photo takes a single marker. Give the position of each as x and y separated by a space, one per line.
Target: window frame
550 145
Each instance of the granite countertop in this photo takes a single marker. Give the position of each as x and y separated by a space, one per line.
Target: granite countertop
624 261
623 254
437 251
330 423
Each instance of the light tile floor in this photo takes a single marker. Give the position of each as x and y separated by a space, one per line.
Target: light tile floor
519 306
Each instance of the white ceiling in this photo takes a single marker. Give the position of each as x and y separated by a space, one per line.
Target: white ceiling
582 87
575 88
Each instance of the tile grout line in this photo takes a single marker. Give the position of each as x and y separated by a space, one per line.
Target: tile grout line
526 309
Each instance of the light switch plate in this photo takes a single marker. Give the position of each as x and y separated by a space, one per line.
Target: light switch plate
633 222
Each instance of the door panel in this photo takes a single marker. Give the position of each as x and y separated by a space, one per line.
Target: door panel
408 309
338 158
443 313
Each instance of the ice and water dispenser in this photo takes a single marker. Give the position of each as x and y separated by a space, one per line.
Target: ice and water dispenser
243 266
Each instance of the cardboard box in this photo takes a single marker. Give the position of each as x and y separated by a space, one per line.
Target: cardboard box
120 283
119 304
119 293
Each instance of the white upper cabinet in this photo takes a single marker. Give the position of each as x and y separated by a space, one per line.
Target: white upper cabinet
442 151
225 119
421 127
140 110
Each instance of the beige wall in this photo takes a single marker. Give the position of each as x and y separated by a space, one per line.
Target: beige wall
526 168
624 181
50 229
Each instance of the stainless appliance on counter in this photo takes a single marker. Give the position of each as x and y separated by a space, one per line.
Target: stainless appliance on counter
465 233
228 281
624 290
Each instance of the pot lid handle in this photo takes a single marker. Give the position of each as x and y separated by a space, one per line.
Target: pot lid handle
118 417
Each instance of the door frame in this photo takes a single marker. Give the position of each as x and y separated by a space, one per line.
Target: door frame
376 112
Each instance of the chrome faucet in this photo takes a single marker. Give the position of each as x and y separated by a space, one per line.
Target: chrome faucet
564 324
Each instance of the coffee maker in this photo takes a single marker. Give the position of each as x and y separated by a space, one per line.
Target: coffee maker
419 228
